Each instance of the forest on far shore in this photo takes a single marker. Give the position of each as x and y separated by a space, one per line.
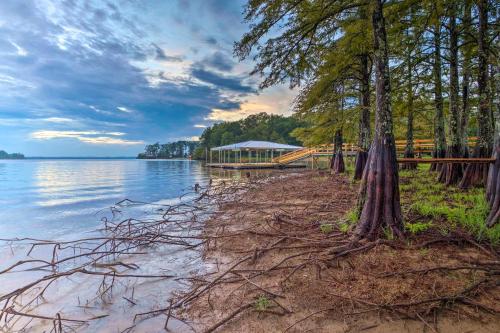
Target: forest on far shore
14 156
261 127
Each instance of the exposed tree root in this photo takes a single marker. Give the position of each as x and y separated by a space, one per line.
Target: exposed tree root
275 253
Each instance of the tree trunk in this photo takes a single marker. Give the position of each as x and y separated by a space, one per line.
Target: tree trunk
493 182
379 200
493 188
451 173
439 133
338 165
477 174
466 74
364 118
409 153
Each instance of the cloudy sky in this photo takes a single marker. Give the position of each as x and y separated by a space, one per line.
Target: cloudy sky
104 77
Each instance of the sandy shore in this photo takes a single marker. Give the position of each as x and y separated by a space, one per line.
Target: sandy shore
275 271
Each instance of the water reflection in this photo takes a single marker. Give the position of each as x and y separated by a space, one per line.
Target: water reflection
49 198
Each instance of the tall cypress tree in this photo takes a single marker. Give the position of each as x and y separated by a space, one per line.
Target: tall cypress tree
477 174
451 173
439 130
379 200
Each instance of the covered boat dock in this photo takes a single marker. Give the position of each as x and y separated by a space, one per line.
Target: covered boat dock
251 155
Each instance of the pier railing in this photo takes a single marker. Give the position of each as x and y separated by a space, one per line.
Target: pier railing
419 146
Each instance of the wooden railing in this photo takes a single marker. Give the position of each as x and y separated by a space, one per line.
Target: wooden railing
294 156
419 146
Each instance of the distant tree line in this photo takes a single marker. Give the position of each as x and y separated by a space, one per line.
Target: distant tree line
261 127
177 149
6 156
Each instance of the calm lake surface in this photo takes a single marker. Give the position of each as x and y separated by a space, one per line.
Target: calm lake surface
51 198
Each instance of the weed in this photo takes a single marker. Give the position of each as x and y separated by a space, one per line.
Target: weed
326 228
352 216
418 227
344 227
388 233
262 303
424 251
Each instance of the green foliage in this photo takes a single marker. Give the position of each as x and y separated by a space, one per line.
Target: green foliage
262 303
326 228
344 227
15 156
388 233
445 207
262 126
178 149
418 227
352 216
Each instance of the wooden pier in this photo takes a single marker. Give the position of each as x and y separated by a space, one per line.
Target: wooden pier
241 166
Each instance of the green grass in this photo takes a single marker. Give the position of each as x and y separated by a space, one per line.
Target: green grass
326 228
262 303
418 227
434 205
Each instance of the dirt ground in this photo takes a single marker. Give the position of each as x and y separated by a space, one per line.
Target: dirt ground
280 264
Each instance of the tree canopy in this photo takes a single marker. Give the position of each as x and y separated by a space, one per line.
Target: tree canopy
177 149
261 126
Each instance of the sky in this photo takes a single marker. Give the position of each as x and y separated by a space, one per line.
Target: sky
104 78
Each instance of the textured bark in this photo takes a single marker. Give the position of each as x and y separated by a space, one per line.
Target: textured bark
379 200
409 153
364 118
338 165
439 133
493 188
359 167
466 74
476 174
451 173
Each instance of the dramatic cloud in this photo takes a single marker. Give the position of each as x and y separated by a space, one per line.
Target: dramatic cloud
218 60
233 83
86 136
74 73
160 55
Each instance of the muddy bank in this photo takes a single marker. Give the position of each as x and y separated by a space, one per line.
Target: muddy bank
279 264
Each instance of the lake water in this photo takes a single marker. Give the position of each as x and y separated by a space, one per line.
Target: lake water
52 198
64 199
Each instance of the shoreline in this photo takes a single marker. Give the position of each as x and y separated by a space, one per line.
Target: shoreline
275 271
273 257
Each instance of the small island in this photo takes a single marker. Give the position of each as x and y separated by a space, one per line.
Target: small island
14 156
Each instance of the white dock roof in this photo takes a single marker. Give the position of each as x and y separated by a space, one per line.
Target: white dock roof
256 145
